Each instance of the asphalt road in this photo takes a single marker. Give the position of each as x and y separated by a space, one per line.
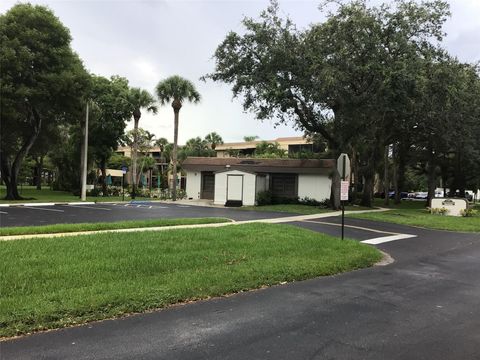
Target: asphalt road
426 305
108 212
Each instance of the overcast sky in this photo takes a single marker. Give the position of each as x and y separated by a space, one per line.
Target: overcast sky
146 41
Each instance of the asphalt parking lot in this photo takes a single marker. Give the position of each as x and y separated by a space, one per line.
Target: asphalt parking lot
425 305
108 212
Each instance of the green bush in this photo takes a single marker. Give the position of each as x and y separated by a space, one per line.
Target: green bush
264 198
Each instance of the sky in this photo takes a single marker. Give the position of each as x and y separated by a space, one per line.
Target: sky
147 41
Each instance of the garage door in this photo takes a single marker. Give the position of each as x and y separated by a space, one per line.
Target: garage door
234 187
208 185
284 185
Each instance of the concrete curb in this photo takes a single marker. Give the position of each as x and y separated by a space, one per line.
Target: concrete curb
49 204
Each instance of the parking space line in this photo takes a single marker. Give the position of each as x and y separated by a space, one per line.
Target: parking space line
183 206
384 239
88 207
39 208
3 212
352 227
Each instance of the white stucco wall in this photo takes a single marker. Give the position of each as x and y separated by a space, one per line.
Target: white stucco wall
221 187
314 186
193 184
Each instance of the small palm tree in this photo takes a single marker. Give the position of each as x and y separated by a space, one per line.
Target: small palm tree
214 139
138 99
176 90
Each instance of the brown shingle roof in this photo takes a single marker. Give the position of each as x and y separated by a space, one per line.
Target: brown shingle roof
304 166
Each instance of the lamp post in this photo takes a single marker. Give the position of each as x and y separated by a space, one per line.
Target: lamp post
83 194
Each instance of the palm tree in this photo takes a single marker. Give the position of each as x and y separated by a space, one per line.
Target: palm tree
138 99
163 145
176 89
214 139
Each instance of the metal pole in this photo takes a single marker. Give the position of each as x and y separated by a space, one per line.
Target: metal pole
123 187
343 202
84 160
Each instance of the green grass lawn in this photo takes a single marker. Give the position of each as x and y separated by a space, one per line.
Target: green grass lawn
47 195
421 218
54 282
297 208
404 204
63 228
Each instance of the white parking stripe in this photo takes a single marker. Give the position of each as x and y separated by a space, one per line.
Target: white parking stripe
352 227
88 207
81 203
384 239
39 208
3 212
183 205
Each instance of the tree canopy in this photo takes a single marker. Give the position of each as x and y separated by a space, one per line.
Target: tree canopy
43 82
367 80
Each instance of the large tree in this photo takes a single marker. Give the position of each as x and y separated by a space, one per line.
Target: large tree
176 90
109 112
43 82
139 99
333 78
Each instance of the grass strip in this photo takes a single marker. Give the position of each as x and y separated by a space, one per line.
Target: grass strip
297 208
51 283
421 218
130 224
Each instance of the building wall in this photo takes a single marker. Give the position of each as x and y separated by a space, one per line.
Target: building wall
193 184
221 187
314 186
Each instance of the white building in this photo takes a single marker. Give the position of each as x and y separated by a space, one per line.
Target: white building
237 181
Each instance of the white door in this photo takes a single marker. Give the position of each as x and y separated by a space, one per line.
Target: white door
235 187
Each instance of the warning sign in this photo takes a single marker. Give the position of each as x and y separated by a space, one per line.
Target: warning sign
344 190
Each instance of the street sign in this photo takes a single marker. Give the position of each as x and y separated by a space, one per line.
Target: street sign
124 169
343 166
344 190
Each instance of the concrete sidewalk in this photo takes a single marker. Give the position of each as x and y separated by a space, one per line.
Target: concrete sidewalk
163 228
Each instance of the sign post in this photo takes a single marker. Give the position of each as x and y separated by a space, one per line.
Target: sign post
124 171
343 167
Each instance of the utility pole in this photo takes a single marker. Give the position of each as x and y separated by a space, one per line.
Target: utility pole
84 159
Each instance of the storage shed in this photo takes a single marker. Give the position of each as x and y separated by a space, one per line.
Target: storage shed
237 181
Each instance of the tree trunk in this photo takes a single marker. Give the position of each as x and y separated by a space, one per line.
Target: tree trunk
103 169
386 182
174 154
134 155
10 171
431 178
368 189
400 176
38 172
395 172
335 191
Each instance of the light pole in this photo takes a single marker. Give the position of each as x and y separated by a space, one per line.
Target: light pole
84 159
